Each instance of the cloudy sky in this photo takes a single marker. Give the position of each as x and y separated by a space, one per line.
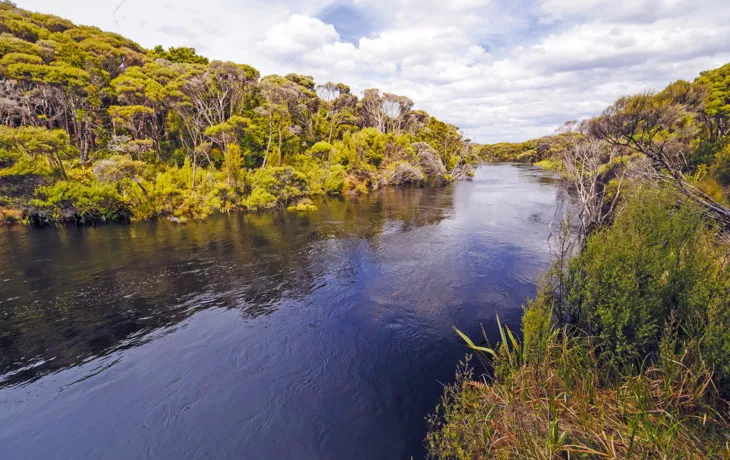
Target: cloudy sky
502 70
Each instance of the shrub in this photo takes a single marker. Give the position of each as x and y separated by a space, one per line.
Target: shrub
260 199
284 183
659 260
335 180
303 205
559 409
370 146
403 173
74 202
722 166
322 150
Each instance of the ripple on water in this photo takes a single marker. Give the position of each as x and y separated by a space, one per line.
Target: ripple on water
273 335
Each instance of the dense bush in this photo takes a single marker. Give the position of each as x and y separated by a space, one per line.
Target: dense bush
625 351
657 261
75 202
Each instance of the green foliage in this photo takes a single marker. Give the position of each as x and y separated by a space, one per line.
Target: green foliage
335 180
722 166
283 183
10 45
199 136
322 150
20 58
260 199
370 146
638 367
75 202
654 262
32 150
179 55
14 163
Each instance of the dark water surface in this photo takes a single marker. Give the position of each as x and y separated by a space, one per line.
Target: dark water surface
320 335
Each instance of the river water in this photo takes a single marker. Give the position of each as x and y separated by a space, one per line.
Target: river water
324 335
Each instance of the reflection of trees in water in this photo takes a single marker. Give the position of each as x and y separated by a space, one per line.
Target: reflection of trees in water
77 293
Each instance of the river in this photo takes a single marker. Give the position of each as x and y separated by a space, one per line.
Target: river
322 335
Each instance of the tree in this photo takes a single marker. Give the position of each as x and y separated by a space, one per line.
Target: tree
226 133
663 129
717 108
146 89
396 109
338 105
590 167
132 117
180 55
73 102
281 96
37 142
371 110
117 168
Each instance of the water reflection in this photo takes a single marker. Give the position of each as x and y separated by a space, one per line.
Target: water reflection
71 293
277 335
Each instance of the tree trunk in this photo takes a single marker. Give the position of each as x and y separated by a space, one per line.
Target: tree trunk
281 159
268 144
195 168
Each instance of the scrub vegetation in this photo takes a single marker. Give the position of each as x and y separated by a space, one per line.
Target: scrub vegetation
94 128
625 351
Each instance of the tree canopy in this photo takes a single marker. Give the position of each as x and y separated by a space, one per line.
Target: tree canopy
210 125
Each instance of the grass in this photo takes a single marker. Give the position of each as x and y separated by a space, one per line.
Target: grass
561 406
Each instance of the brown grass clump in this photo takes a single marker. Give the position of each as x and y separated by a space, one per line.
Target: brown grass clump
562 407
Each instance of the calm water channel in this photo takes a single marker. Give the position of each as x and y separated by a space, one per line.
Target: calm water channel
324 335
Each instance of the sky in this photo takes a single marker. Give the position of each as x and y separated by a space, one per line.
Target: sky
501 70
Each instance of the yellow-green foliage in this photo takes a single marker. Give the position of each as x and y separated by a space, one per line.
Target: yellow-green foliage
722 165
284 183
260 199
18 164
303 205
550 164
32 151
322 151
213 136
173 195
334 181
73 201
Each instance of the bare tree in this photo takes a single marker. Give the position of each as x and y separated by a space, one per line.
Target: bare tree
585 164
396 109
660 126
371 110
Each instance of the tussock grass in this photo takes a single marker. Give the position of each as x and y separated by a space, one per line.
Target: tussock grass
561 406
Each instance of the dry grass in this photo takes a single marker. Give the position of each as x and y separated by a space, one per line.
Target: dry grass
562 408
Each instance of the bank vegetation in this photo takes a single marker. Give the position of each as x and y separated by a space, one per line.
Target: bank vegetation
625 351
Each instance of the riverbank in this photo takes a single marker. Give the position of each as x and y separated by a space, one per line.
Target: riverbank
623 354
106 191
625 351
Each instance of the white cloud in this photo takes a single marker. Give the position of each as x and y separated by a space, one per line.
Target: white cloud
297 35
501 69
